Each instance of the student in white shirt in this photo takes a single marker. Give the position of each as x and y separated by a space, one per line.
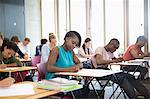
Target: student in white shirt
46 48
104 56
23 46
86 51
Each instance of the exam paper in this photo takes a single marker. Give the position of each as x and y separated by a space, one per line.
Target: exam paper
17 89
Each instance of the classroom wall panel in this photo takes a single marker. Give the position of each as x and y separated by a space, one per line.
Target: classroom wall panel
13 18
1 16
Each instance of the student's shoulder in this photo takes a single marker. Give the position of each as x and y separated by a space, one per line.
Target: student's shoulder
55 50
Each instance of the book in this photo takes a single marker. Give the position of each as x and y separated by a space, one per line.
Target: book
61 84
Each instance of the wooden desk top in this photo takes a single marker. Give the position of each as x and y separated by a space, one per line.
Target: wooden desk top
39 93
15 69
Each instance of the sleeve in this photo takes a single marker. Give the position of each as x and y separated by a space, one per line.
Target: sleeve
14 60
81 52
99 50
44 54
20 52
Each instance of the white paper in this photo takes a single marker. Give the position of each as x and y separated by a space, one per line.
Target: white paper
17 89
90 72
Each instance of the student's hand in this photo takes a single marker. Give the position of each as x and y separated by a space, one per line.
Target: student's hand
118 60
26 56
74 68
3 66
7 82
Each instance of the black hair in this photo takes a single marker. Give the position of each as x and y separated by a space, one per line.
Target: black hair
15 38
9 45
115 40
73 34
83 46
43 41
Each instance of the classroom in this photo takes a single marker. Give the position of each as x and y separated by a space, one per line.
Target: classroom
75 49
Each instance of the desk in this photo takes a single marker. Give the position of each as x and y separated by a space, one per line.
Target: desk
25 61
39 93
91 73
18 69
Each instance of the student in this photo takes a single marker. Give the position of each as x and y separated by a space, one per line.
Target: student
63 58
104 56
86 51
39 47
46 48
6 82
15 39
7 58
134 52
23 46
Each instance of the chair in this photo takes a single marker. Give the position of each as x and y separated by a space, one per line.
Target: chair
35 60
41 70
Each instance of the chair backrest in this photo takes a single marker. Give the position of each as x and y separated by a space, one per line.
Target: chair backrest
35 60
41 70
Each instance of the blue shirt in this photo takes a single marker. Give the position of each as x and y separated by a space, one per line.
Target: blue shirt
64 60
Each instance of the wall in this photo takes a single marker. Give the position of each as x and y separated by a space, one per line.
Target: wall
1 16
13 17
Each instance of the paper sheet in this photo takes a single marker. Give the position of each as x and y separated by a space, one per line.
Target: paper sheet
17 89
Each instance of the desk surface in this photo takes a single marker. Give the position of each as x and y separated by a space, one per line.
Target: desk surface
126 63
15 69
39 93
90 73
25 60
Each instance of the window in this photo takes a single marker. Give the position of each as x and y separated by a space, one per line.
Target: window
78 17
136 19
115 21
47 17
62 19
97 23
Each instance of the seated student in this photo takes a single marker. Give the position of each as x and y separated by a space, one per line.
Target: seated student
6 82
134 52
86 51
63 58
7 58
104 56
15 39
23 46
39 47
46 48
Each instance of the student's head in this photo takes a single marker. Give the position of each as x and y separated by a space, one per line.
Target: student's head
141 41
87 43
43 41
52 38
26 41
1 38
9 49
72 40
113 45
15 39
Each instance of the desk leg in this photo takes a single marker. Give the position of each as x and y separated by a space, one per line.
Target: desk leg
20 76
117 88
